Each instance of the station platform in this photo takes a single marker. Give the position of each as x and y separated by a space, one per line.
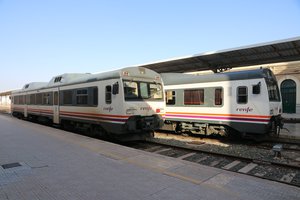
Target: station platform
291 117
290 131
40 162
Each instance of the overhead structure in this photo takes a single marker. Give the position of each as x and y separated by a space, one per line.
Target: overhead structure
271 52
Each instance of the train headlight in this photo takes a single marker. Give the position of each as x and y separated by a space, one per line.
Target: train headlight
130 111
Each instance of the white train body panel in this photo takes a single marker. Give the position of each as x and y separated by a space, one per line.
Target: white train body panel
252 115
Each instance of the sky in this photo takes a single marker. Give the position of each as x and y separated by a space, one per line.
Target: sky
42 39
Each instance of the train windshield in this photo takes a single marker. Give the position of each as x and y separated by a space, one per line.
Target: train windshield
273 91
272 85
136 90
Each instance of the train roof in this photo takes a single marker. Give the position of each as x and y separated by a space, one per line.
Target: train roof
67 79
76 78
180 78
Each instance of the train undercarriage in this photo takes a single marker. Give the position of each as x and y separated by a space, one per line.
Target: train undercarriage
246 131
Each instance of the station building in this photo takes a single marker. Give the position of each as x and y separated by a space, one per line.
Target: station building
288 77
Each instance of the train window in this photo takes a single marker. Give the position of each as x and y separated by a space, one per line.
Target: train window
16 100
256 88
32 99
108 94
47 98
82 97
144 90
170 97
156 91
21 99
55 98
242 95
39 99
218 96
67 97
273 92
130 90
194 97
95 96
28 99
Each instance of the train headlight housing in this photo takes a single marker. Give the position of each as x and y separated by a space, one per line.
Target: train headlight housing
130 111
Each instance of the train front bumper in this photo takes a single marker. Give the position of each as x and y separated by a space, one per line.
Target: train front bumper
144 123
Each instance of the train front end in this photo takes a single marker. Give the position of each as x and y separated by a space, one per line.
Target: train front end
144 103
275 103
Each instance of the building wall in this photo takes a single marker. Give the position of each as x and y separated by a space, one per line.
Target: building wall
285 71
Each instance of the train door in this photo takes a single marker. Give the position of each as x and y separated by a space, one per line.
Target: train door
56 107
288 92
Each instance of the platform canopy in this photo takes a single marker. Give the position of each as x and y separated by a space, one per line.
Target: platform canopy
265 53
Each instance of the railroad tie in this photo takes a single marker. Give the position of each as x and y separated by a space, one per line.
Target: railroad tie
186 156
288 177
247 168
162 150
232 164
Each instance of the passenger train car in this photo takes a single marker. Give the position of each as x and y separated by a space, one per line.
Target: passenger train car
245 102
123 103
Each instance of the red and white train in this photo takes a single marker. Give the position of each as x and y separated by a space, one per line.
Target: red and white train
123 103
246 102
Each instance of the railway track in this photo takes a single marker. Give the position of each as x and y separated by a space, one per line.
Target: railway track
264 165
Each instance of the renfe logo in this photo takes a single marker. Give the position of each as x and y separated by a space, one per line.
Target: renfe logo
248 109
108 108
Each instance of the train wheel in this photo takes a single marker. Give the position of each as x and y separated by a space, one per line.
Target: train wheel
178 128
274 129
98 131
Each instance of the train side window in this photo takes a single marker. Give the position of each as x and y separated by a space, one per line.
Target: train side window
82 97
194 97
21 99
256 88
242 95
39 99
47 98
27 99
218 96
55 98
32 99
67 97
95 96
108 94
170 97
16 100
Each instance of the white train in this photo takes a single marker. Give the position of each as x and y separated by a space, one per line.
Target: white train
245 102
123 103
